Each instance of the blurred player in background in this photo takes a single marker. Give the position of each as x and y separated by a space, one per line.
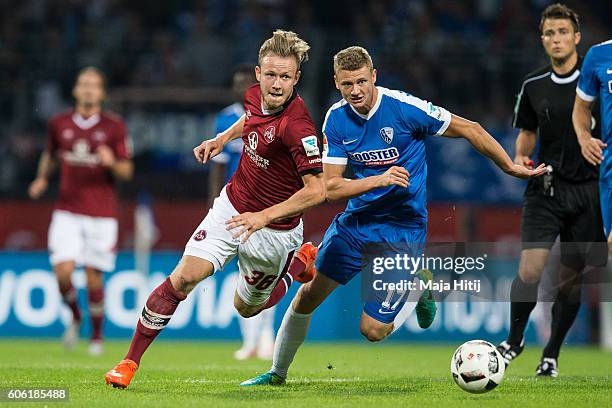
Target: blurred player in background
257 331
380 133
563 202
257 216
91 146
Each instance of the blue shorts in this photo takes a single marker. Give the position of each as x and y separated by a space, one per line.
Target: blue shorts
605 200
341 253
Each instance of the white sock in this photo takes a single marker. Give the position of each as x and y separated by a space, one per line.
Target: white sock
408 307
250 329
290 337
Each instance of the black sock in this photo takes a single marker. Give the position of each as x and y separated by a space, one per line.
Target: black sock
564 313
524 298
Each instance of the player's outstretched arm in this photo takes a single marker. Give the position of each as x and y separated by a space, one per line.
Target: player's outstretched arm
340 188
488 146
46 166
591 148
313 193
212 147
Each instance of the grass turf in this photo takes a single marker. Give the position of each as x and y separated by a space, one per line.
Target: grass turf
204 374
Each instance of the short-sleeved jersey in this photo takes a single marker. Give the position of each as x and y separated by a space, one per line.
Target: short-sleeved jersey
230 156
544 105
391 134
85 186
279 148
596 81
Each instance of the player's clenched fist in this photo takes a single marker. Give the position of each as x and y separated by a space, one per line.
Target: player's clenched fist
208 149
396 175
105 155
37 188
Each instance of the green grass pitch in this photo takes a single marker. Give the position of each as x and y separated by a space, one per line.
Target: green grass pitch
204 374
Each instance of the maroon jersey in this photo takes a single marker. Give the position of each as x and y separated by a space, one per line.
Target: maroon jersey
279 148
85 186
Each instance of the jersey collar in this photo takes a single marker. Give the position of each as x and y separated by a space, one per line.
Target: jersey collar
83 123
562 80
569 77
374 108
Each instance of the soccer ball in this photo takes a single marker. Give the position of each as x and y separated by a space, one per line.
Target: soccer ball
477 366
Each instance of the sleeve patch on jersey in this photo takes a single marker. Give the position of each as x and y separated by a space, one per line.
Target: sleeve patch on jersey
434 111
310 145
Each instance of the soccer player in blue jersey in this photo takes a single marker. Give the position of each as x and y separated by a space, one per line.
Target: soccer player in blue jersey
380 133
596 81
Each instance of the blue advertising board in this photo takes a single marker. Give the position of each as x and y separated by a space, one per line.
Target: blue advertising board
30 306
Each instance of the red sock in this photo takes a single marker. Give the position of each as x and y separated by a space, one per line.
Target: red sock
69 294
292 269
156 314
96 311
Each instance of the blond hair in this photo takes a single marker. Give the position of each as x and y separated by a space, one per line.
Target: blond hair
285 44
352 58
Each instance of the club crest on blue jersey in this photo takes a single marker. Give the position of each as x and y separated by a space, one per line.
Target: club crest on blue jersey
387 134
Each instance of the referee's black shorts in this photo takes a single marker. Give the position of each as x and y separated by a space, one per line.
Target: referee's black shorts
573 214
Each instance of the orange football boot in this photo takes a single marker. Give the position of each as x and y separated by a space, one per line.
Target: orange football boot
121 375
307 254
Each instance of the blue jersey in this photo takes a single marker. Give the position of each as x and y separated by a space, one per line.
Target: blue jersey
230 155
391 134
596 81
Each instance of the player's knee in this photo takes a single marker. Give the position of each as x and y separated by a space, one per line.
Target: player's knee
373 334
530 273
245 310
189 272
375 331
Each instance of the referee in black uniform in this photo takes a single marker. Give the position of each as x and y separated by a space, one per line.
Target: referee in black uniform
564 202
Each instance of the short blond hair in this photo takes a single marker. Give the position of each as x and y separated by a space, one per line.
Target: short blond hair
285 44
352 58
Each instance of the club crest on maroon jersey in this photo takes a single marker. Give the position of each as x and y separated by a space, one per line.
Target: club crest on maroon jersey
248 114
269 134
200 235
253 138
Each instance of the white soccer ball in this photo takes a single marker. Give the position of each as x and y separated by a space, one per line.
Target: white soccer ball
477 366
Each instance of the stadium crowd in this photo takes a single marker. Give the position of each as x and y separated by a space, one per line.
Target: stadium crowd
468 56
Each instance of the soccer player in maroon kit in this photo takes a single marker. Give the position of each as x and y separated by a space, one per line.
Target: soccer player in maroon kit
257 216
91 146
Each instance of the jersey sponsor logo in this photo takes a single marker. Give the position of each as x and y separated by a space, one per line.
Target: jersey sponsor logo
80 154
387 134
253 139
310 145
376 157
269 134
348 142
609 71
200 235
251 150
313 161
610 86
68 134
248 114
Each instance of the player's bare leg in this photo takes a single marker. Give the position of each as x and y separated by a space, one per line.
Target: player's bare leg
294 327
63 272
95 296
156 314
372 329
